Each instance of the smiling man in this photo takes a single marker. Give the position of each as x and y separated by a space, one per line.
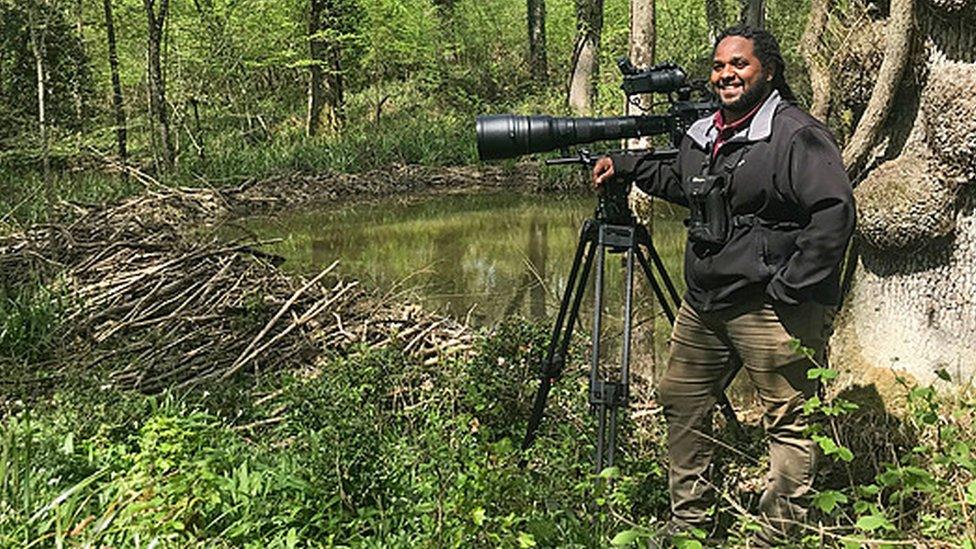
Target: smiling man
770 216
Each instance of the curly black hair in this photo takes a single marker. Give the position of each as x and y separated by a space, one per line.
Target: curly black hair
767 50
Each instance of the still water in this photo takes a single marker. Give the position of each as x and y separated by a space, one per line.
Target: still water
479 258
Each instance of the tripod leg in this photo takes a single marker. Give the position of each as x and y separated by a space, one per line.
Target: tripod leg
601 443
668 311
559 343
659 265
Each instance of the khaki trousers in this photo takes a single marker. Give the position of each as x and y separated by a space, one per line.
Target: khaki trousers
762 335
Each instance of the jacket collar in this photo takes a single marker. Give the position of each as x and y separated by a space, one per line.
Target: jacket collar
704 132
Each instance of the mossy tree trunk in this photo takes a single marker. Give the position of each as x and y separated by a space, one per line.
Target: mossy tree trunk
911 306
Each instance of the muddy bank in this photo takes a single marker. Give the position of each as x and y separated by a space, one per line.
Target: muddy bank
151 297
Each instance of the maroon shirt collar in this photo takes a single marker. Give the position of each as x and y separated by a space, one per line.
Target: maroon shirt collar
725 131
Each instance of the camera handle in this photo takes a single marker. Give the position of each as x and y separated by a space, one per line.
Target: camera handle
608 393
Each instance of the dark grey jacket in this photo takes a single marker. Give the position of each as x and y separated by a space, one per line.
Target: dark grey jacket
785 174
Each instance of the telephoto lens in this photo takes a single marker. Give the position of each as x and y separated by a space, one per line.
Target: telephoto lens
509 135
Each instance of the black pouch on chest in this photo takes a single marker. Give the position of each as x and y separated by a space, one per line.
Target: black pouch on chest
710 214
708 220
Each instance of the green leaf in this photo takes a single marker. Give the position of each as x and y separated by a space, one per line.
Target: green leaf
610 472
526 540
687 543
823 374
68 447
943 374
478 516
811 405
627 537
971 492
871 523
869 489
828 500
845 454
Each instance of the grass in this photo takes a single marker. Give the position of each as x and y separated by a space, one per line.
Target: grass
375 449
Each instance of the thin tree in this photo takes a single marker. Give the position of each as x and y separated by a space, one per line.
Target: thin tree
641 50
538 64
586 55
641 54
113 63
810 47
37 14
753 13
157 89
325 85
715 17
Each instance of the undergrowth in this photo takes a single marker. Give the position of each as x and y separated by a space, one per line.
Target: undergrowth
375 449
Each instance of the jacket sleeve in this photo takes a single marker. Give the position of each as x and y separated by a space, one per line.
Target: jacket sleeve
824 195
659 178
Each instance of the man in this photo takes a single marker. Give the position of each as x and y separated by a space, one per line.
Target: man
771 215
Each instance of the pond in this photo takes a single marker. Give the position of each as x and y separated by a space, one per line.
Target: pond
479 258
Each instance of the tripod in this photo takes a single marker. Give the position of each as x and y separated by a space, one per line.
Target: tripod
607 393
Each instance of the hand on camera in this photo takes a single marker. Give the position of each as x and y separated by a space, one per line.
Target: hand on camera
602 172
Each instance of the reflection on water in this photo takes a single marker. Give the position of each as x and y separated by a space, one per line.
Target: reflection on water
481 258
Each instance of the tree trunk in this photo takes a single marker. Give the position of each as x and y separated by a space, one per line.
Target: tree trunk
37 23
538 64
753 13
76 85
811 48
325 86
641 54
586 56
715 16
113 63
898 40
910 311
157 88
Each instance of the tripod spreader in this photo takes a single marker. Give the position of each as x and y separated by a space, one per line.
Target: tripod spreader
608 392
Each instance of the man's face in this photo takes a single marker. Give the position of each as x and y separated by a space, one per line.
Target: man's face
738 77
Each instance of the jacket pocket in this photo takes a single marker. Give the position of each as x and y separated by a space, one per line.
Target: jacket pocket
776 246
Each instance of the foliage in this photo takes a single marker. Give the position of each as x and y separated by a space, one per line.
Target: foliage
415 75
373 450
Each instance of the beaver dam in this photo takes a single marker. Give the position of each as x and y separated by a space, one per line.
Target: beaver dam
152 294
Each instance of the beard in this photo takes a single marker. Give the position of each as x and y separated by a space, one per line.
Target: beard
750 98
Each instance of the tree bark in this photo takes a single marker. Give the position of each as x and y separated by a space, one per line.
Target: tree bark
76 85
113 63
810 46
753 13
37 23
715 16
898 39
325 86
641 54
538 64
586 55
157 88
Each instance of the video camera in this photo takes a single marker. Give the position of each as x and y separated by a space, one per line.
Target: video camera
508 135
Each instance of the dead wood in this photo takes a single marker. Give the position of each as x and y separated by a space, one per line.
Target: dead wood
152 300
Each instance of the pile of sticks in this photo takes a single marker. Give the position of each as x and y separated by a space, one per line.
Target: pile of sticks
150 305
